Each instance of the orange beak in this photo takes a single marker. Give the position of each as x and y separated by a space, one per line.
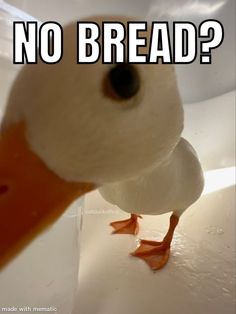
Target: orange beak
31 196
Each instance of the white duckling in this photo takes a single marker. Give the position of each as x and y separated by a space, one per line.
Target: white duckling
171 186
112 125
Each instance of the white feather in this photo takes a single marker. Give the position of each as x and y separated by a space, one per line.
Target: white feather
172 186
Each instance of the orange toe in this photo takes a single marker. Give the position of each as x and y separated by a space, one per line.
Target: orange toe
127 226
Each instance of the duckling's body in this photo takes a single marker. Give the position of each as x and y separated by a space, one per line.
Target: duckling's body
171 186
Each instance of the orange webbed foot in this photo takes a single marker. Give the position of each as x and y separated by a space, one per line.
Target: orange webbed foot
127 226
155 254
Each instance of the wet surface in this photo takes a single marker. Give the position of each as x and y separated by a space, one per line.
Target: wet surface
200 274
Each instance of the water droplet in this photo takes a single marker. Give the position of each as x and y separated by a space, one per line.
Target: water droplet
220 231
208 230
225 290
214 230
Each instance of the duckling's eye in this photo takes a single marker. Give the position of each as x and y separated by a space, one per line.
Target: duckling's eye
124 81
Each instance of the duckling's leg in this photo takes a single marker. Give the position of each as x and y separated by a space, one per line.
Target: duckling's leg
156 254
128 226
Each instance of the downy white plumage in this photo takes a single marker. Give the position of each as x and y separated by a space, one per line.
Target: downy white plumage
117 126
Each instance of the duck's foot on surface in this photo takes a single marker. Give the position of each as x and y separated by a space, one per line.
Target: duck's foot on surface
127 226
156 254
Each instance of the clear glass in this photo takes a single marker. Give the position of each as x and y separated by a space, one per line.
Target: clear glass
45 274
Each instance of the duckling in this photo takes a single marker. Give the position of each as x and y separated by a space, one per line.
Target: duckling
173 186
70 128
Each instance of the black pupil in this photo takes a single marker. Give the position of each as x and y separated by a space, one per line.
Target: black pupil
124 80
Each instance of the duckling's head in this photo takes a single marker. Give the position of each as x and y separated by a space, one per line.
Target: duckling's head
97 122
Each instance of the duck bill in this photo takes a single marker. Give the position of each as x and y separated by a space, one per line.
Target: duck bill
31 196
